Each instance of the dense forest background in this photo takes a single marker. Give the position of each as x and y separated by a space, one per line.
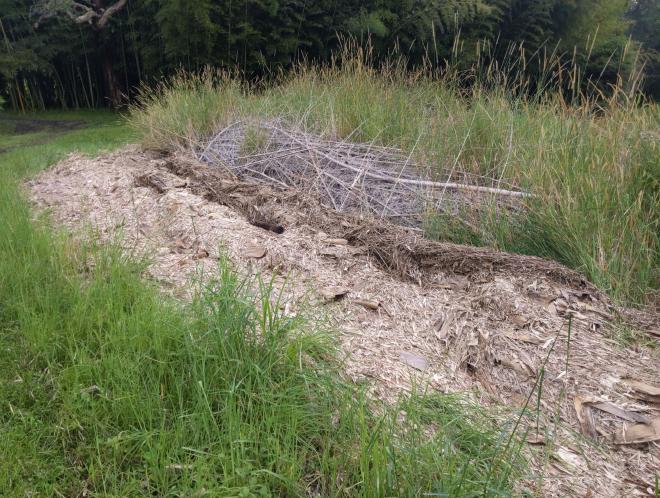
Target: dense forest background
93 53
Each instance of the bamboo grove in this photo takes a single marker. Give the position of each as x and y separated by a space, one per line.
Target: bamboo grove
95 53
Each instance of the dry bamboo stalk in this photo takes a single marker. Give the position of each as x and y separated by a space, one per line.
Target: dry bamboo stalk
422 183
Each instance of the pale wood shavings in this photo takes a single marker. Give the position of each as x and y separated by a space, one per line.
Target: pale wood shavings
487 330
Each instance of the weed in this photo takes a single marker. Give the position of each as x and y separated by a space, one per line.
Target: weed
109 388
592 165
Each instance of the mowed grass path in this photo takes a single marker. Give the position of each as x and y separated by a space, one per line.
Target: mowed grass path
108 388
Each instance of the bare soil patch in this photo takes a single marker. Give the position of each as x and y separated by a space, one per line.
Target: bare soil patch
460 318
25 125
22 126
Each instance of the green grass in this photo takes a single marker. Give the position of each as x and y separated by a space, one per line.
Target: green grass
103 130
108 388
594 167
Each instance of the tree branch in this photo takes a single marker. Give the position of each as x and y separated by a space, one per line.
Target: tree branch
105 17
79 12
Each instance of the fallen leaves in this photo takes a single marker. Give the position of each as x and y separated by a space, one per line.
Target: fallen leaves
643 430
585 416
331 252
643 391
568 461
442 327
414 360
521 364
255 251
334 293
337 242
617 411
528 338
368 303
201 253
639 433
536 439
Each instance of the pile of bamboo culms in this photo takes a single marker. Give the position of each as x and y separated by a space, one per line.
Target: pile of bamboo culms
369 179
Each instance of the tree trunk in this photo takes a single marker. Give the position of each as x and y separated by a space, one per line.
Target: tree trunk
111 88
112 93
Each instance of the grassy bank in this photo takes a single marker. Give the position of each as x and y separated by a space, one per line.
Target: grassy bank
109 389
593 166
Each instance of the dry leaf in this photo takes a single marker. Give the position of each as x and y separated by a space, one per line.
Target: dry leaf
602 313
621 413
201 253
644 391
414 360
519 320
639 433
337 242
357 251
544 299
560 305
535 439
331 252
255 251
442 327
372 305
569 461
456 282
577 315
585 417
528 338
334 293
182 244
178 466
520 366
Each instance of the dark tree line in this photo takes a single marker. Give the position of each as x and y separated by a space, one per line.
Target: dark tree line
90 53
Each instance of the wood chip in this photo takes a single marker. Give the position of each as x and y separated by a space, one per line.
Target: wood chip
372 305
643 391
414 360
331 252
334 293
442 327
569 461
617 411
521 366
536 439
357 251
337 242
519 320
585 416
528 338
639 433
544 299
255 251
182 244
201 253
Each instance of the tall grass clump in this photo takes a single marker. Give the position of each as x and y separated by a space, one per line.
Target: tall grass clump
107 388
589 159
184 109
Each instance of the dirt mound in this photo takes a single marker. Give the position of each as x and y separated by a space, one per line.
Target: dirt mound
462 318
